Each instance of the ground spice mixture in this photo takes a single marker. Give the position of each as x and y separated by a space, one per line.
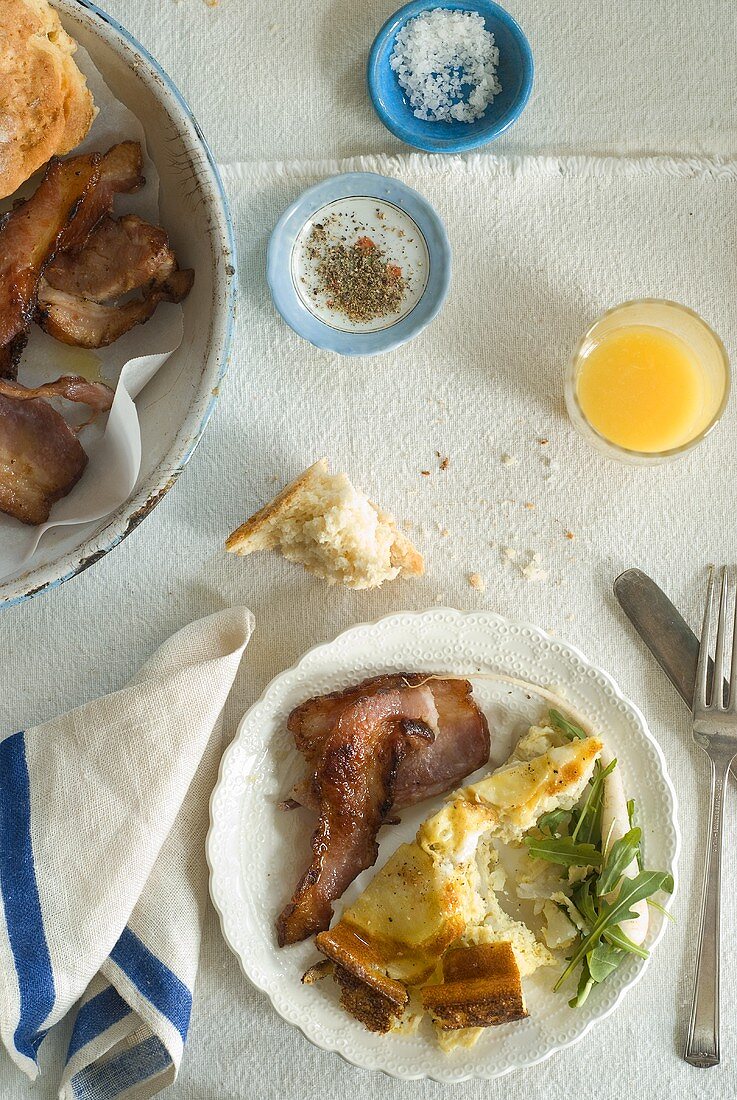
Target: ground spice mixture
357 278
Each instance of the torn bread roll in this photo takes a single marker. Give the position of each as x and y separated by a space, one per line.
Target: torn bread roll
323 523
46 108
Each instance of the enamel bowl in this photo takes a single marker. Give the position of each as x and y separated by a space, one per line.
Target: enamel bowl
175 406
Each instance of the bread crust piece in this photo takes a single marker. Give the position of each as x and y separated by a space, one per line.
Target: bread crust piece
46 108
262 530
481 988
259 530
376 1010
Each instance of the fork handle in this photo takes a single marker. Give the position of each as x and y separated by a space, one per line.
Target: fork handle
702 1044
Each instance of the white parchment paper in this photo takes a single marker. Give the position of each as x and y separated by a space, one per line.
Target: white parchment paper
113 445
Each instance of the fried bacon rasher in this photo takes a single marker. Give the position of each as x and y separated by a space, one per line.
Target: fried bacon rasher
29 235
64 262
41 458
400 733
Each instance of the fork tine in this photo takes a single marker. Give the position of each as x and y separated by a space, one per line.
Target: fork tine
707 633
720 662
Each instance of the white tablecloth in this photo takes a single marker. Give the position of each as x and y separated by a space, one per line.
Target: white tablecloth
630 78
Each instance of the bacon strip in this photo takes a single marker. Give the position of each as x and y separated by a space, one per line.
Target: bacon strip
41 459
354 781
120 173
86 324
73 387
461 742
68 203
118 256
29 234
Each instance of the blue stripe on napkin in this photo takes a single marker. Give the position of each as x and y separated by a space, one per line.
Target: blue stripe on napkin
154 979
106 1081
19 893
95 1016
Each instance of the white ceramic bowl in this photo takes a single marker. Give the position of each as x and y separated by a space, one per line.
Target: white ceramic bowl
195 212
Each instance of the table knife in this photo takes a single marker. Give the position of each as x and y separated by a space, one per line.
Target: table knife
662 628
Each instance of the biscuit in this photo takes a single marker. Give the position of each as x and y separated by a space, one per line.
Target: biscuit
46 108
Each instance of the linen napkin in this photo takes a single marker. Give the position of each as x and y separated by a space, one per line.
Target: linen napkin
103 880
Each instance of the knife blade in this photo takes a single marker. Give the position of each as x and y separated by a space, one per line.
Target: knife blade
662 628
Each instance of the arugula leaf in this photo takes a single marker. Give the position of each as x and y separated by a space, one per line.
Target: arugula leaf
585 985
661 909
573 733
564 850
631 816
617 938
621 854
586 906
584 902
591 810
644 885
553 819
603 961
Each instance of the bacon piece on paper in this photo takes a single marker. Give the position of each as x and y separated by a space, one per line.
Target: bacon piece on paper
41 458
29 235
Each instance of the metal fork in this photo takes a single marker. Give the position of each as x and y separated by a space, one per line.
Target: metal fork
715 729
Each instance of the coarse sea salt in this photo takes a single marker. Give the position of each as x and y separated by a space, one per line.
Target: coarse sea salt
446 62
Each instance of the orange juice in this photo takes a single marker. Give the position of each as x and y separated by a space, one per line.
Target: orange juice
643 389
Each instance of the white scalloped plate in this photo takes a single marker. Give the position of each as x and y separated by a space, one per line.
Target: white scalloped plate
257 852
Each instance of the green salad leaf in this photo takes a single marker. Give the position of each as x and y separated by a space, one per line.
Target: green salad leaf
585 904
632 890
618 938
604 960
564 850
553 820
588 826
631 816
573 733
621 854
585 985
661 909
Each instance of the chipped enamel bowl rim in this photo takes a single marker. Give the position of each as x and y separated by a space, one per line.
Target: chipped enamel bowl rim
252 854
146 79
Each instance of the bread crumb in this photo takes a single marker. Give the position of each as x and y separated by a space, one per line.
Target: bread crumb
425 473
445 463
543 441
443 531
532 571
570 618
529 504
507 459
439 597
509 553
570 535
477 581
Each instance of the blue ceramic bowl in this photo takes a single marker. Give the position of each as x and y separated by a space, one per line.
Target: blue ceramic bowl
515 74
279 269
